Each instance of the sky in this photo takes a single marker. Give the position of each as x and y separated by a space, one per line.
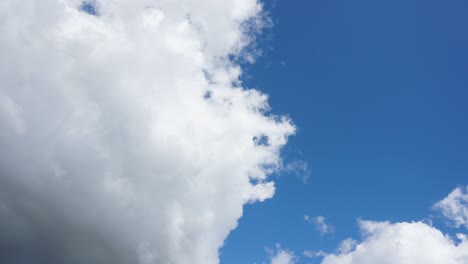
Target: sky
236 131
378 93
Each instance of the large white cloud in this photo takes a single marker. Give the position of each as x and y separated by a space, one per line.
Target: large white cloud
402 243
127 137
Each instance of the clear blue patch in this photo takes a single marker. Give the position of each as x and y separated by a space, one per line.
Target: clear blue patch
208 95
261 140
89 7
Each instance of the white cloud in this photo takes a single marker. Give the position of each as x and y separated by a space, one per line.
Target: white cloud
455 207
282 256
320 224
402 243
299 168
406 242
111 152
312 254
347 246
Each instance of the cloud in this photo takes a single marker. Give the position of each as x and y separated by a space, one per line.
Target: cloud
298 168
347 246
126 134
454 207
312 254
400 243
282 256
405 242
320 224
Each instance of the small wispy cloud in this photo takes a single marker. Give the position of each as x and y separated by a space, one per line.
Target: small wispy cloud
313 254
299 168
320 224
346 246
454 207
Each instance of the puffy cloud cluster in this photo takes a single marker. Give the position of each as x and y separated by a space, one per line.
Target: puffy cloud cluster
282 256
125 133
454 207
415 242
402 243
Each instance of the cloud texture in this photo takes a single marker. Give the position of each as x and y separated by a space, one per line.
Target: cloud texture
409 242
320 224
282 256
402 243
454 207
127 137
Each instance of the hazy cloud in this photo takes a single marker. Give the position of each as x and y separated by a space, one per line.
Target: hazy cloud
320 224
454 207
312 254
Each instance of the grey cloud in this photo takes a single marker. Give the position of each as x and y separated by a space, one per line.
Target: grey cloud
109 151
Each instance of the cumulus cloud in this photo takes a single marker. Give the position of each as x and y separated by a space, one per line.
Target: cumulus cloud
454 207
126 135
282 256
401 243
320 224
347 246
405 242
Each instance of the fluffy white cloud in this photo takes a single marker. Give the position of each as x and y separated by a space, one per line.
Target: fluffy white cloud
402 243
282 256
455 207
320 224
347 246
127 137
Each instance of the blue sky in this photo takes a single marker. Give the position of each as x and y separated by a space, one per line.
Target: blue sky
378 91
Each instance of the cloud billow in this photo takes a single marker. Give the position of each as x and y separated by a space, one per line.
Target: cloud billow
399 243
408 242
111 152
